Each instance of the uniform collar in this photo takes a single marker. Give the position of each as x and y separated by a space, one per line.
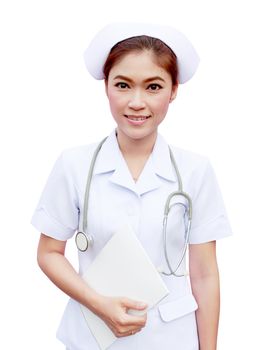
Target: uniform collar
158 166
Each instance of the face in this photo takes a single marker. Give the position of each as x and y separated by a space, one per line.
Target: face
139 93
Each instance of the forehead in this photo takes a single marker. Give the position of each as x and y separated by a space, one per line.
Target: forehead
138 63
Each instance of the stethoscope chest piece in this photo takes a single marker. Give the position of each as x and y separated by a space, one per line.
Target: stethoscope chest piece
83 241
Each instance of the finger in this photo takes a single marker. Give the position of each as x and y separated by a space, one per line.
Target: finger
128 322
133 304
133 321
135 311
128 332
136 321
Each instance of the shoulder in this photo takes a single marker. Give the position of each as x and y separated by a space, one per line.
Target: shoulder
73 163
190 162
77 155
195 169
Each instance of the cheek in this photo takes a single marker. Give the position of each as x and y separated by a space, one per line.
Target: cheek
161 104
115 101
111 98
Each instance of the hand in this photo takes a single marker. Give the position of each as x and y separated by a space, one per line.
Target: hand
114 312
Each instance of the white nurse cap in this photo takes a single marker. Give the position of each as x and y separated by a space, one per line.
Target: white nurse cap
101 45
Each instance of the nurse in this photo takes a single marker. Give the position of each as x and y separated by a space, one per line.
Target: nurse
142 66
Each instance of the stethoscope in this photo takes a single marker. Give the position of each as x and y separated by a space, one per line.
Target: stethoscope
84 240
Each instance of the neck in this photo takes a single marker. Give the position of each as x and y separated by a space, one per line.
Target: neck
136 147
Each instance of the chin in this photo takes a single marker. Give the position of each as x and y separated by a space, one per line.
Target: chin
139 134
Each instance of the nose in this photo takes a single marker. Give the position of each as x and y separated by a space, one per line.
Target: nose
136 101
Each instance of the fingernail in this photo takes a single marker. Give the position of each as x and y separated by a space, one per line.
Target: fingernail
142 305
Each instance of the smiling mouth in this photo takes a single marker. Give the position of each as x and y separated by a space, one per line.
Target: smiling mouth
137 118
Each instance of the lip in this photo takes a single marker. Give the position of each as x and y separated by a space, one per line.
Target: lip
131 120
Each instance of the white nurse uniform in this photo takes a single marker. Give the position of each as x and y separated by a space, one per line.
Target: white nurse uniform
116 199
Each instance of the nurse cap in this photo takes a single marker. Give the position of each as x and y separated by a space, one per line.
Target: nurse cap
101 45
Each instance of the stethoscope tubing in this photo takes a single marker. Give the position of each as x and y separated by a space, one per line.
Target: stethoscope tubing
83 240
88 185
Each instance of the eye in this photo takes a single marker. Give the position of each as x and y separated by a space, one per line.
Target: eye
121 85
154 87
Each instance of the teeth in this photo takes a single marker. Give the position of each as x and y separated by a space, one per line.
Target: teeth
137 118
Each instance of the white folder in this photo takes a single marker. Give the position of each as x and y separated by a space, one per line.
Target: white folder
122 268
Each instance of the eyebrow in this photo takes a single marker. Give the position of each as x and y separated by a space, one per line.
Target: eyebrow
122 77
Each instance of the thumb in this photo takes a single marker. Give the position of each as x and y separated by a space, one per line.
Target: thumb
134 304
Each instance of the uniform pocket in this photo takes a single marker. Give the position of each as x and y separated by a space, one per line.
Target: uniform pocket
177 308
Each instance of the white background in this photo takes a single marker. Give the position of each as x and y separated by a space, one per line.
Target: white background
49 102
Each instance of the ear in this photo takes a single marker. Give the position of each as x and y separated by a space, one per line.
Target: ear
106 87
174 92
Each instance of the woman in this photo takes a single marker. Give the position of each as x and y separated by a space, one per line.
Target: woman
142 66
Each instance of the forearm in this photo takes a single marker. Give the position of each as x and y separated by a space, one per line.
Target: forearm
59 270
113 311
207 293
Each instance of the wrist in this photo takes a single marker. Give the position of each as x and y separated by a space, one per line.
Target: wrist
94 301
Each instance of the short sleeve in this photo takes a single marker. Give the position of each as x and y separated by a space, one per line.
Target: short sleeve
209 220
57 213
